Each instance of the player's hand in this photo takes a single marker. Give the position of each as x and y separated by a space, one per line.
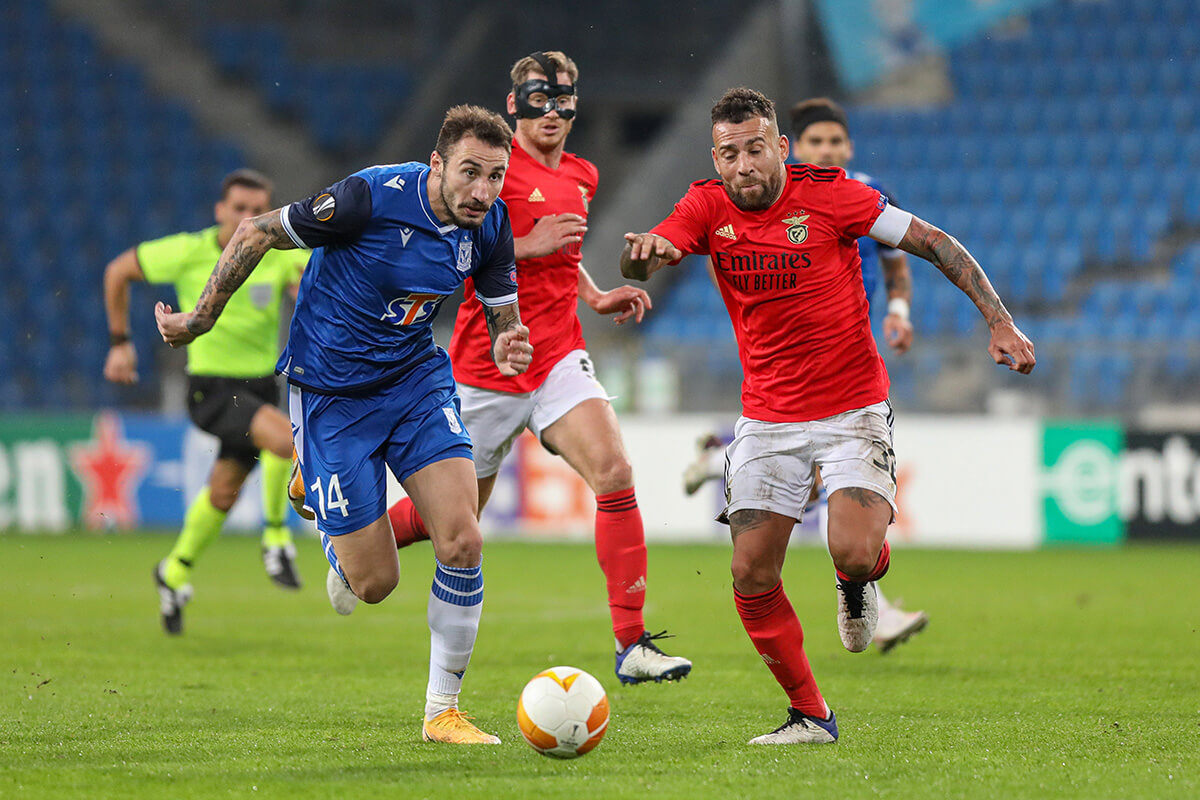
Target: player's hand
550 234
121 364
1010 346
648 245
173 326
898 332
627 302
513 352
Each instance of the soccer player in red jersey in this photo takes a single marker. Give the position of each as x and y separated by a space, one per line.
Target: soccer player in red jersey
548 191
784 243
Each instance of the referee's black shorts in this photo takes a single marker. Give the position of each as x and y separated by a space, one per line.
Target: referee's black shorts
224 408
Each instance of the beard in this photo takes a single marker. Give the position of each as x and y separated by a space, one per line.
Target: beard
771 188
455 208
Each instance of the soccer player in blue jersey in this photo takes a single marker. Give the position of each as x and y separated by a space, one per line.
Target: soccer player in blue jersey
822 137
369 387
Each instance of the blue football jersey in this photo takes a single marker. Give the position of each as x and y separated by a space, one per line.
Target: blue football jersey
869 249
381 265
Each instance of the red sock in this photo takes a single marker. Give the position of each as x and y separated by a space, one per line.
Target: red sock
407 526
777 636
881 566
621 550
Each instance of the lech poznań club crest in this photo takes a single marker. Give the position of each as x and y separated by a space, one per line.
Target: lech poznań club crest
797 231
464 255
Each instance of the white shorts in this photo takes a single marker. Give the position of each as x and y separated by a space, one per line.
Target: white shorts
769 465
496 419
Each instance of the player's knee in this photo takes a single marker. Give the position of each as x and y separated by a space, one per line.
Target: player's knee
854 558
464 548
614 476
753 575
373 588
222 497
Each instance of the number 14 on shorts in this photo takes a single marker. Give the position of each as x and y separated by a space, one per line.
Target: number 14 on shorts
336 501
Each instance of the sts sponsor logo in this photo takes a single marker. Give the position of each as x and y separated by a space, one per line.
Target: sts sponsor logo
412 308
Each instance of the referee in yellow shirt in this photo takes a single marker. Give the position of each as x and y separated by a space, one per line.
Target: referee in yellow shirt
232 391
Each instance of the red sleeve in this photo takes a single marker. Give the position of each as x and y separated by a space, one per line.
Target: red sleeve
687 227
592 175
856 206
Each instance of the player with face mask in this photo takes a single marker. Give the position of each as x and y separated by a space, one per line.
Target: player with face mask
548 191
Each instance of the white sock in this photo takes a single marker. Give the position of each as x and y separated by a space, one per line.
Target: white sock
455 604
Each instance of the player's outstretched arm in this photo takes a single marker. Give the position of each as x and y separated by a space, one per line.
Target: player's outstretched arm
250 242
511 349
897 328
1008 345
627 302
645 254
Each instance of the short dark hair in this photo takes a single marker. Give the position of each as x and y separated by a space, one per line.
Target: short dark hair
250 178
463 121
817 109
740 104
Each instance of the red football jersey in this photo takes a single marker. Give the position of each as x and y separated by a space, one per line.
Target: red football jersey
791 279
548 286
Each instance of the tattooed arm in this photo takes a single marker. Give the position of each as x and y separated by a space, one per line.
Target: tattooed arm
1008 345
511 349
250 242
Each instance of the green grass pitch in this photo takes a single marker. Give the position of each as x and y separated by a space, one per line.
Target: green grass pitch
1062 673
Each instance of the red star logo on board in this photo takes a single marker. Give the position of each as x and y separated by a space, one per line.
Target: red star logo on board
110 469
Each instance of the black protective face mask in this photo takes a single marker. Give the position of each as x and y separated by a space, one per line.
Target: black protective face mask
548 87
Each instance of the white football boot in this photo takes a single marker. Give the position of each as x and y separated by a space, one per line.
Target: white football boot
801 729
897 626
171 601
280 563
709 464
643 661
341 597
858 614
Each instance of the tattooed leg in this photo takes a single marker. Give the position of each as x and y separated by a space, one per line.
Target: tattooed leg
760 540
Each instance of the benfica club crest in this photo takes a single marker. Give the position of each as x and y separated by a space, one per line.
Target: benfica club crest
797 231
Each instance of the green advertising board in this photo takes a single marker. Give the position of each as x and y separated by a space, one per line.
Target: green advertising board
38 488
1081 467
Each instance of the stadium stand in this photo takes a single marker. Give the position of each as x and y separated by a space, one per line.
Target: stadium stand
105 164
1067 164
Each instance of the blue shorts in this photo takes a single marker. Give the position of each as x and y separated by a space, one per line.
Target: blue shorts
345 441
